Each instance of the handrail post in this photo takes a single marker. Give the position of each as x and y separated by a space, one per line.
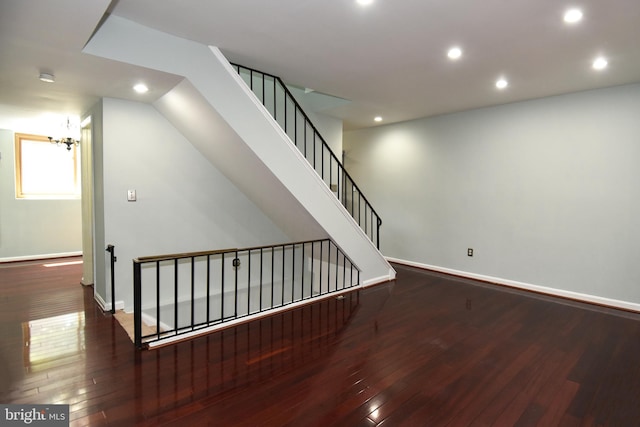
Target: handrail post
112 250
137 304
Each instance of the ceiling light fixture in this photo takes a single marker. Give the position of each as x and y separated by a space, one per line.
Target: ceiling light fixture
141 88
600 63
454 53
68 141
572 16
47 77
377 119
364 2
502 83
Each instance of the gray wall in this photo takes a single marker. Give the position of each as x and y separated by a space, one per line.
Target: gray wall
184 203
547 192
33 228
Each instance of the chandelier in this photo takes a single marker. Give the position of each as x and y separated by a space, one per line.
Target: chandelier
68 141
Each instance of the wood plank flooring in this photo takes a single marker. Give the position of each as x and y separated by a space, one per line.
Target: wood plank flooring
425 350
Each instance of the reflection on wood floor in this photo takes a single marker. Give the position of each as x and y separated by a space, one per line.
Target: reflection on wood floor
424 350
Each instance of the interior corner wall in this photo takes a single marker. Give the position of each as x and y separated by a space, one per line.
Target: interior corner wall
183 202
32 228
546 192
331 130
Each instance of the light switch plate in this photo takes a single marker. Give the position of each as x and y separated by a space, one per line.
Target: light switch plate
131 195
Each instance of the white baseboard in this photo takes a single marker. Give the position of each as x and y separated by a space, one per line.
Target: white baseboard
380 279
152 321
376 281
106 306
41 256
591 299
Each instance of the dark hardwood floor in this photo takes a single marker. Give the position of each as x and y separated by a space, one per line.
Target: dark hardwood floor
424 350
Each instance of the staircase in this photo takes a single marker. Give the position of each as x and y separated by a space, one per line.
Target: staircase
292 178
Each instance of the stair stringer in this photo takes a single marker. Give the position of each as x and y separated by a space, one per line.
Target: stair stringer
282 169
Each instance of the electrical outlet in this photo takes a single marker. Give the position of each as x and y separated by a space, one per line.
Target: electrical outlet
469 252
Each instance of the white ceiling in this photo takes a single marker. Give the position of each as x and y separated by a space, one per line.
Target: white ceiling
387 59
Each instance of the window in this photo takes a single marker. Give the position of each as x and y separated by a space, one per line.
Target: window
45 170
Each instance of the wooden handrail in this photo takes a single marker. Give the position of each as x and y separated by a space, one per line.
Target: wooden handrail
167 257
255 248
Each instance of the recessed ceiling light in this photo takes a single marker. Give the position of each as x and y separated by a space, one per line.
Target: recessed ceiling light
502 83
454 53
364 2
46 77
572 16
141 88
378 119
600 63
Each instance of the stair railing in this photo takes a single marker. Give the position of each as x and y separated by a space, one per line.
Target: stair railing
189 293
286 111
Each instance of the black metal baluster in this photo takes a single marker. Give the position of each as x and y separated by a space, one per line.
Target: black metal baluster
302 270
285 111
340 190
193 293
175 295
261 268
322 163
208 289
137 304
222 290
329 267
275 102
249 283
313 262
235 297
337 265
295 128
158 299
320 277
283 264
344 271
351 274
293 272
305 140
330 174
351 194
